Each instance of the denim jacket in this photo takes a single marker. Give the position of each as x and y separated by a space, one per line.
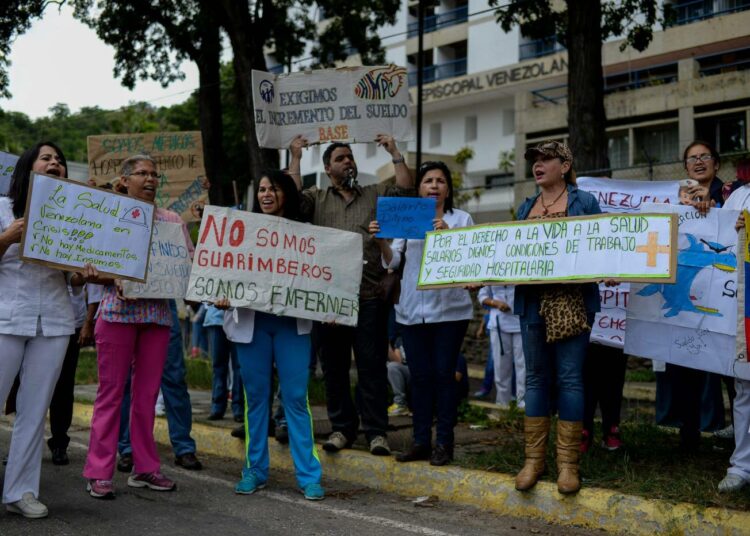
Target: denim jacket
526 304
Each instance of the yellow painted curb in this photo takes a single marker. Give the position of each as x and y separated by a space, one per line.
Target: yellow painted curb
591 507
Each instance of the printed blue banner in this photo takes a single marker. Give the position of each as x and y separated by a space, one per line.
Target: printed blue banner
405 217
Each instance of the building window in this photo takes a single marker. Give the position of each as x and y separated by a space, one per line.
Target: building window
728 132
309 179
436 132
509 122
618 144
470 128
657 143
499 180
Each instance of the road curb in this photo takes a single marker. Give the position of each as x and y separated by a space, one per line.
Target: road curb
591 507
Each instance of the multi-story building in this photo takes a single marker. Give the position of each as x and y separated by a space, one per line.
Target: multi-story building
498 92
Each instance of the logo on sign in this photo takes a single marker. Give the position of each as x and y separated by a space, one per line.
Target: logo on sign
266 91
135 216
381 83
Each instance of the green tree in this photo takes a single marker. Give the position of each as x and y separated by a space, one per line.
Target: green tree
151 39
582 26
16 17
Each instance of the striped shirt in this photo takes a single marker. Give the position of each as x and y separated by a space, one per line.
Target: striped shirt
141 311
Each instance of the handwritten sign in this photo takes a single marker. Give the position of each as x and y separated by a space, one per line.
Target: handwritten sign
627 247
741 365
278 266
350 104
168 265
693 322
183 186
7 165
69 224
405 217
616 195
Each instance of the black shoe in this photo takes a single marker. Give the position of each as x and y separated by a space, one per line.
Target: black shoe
441 455
239 418
215 417
125 463
189 461
239 432
282 435
415 452
60 456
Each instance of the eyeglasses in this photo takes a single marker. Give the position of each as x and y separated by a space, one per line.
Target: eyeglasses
144 174
703 158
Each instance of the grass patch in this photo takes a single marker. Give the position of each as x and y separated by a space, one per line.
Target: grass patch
651 464
640 375
86 372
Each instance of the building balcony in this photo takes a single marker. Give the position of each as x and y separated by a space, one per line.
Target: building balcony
539 48
440 20
433 73
689 11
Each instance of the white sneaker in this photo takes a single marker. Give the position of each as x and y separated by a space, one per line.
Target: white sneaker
725 433
336 441
28 507
731 483
379 446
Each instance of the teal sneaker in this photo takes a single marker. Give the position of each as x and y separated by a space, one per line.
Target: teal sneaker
249 484
314 492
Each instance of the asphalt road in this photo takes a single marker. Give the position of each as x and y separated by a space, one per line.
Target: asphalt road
204 503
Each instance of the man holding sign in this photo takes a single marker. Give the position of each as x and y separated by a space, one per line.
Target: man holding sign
347 206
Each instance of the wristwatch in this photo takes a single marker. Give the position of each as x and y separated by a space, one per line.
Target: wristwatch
399 160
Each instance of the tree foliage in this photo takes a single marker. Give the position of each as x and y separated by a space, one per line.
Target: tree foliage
582 26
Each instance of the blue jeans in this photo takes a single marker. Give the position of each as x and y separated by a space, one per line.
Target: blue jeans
176 397
224 353
431 353
275 339
557 364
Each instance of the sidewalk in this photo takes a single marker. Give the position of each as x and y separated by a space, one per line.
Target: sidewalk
593 508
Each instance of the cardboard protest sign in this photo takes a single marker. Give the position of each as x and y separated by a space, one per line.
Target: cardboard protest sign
183 186
7 165
693 322
405 217
277 265
624 247
69 224
615 195
349 104
168 265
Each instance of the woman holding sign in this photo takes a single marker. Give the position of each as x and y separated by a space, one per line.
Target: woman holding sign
435 322
556 322
263 339
36 321
132 337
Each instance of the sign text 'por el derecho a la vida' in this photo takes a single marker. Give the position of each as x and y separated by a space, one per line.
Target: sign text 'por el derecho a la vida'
624 247
168 265
69 224
349 104
278 266
183 185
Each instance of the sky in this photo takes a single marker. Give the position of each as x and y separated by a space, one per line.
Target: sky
62 60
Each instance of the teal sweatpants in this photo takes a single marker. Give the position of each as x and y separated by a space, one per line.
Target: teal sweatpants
275 339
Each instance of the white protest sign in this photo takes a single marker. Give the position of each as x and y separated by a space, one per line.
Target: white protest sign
349 104
7 165
616 195
694 321
277 265
168 265
624 247
622 196
69 224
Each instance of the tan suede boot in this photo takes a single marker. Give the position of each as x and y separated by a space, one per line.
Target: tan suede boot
536 432
568 450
